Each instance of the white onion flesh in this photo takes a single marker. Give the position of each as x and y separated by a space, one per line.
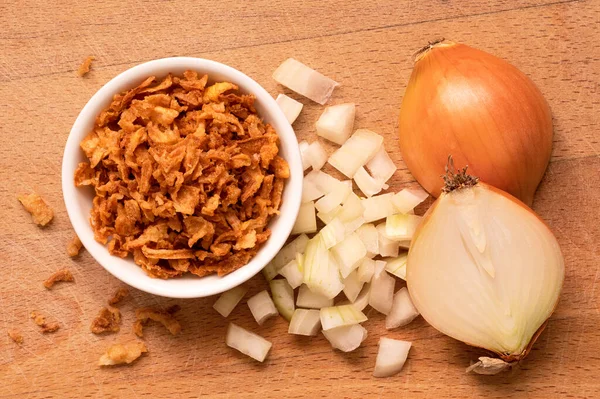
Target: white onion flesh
356 151
269 271
382 292
336 122
366 183
321 273
403 310
283 297
397 265
353 225
378 207
381 166
312 300
352 207
349 253
370 238
305 322
352 286
316 184
387 247
293 273
333 232
262 307
346 338
304 80
400 227
498 270
229 300
329 216
407 199
338 316
334 198
366 270
289 251
306 221
391 357
303 146
316 155
290 107
247 342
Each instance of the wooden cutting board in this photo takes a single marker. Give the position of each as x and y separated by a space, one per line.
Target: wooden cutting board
367 47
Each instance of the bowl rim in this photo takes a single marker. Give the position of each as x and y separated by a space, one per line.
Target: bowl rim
281 225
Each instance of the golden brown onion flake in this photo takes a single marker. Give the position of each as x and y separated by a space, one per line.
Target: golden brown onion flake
165 317
58 276
118 296
107 321
40 320
85 66
15 335
186 176
40 212
122 353
74 246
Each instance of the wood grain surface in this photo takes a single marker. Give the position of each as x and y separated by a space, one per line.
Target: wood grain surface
367 47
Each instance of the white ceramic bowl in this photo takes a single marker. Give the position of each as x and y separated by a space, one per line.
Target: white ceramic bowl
78 201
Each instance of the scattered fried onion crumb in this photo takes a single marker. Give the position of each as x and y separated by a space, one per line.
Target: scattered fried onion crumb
40 320
85 66
107 321
118 296
60 275
40 212
122 353
74 246
16 336
165 317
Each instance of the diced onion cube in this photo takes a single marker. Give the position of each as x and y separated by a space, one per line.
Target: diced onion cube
381 166
246 342
336 123
229 300
378 207
356 151
337 316
346 338
382 292
262 307
354 225
304 80
370 237
338 194
397 266
303 146
269 271
308 299
292 273
366 183
290 107
352 286
349 253
329 216
283 297
321 272
366 270
401 226
391 357
290 251
387 247
316 184
305 322
333 233
306 221
407 199
403 310
316 155
362 300
352 208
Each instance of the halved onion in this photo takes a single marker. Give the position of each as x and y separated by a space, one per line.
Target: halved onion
283 297
356 151
352 286
229 300
346 338
316 155
305 322
403 311
247 342
337 316
378 207
293 273
349 253
387 247
336 122
306 221
401 226
382 292
333 233
304 80
290 107
397 265
366 270
407 199
370 238
312 300
262 307
391 357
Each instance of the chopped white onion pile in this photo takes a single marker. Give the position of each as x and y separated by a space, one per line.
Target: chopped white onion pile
305 322
290 107
321 272
343 315
370 238
407 199
333 233
403 311
336 123
391 356
365 270
313 155
246 342
352 286
356 152
387 246
401 226
262 307
346 338
229 300
397 265
378 207
306 222
338 194
349 253
293 273
382 291
304 80
283 297
312 300
362 300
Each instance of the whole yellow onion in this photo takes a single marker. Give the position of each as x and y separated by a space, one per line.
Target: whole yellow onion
480 109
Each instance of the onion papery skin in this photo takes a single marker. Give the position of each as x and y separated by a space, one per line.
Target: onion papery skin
506 313
480 109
